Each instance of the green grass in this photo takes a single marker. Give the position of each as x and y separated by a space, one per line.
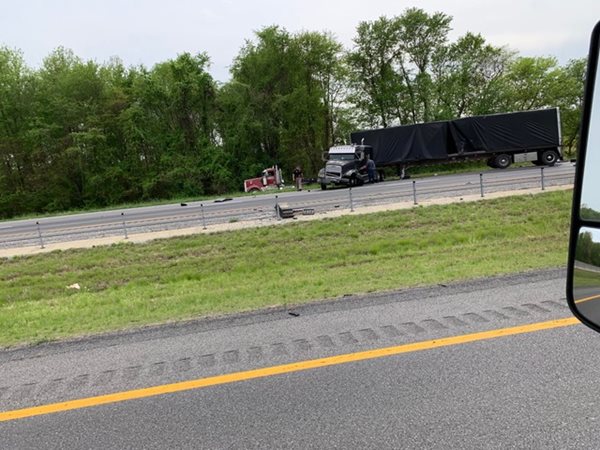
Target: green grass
585 278
129 285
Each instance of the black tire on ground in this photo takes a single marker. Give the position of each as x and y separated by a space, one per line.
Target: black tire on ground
491 163
353 181
502 161
549 157
537 162
323 186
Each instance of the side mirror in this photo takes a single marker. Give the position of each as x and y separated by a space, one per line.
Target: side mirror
583 281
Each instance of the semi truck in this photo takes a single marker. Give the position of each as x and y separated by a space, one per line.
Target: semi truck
500 139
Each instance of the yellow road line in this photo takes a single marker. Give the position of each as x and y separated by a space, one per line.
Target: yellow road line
278 370
585 299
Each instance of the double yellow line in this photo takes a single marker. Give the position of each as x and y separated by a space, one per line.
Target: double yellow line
278 370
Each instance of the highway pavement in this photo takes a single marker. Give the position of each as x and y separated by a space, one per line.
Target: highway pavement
492 363
21 233
587 301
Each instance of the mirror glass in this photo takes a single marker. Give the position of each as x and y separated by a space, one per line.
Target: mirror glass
586 271
590 191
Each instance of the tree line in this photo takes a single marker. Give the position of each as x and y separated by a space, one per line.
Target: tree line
78 134
587 251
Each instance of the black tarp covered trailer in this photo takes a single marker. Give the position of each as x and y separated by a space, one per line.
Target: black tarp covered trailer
408 143
535 135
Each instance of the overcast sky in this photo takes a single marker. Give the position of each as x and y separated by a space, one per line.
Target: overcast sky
151 31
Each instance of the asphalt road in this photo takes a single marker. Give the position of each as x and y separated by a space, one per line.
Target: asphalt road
536 388
79 226
585 294
587 301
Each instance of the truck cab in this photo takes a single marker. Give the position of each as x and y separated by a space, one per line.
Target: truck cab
269 178
344 166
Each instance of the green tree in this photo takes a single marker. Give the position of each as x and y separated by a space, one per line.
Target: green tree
570 100
283 103
422 36
378 87
583 249
531 83
17 89
170 128
250 105
586 250
69 99
392 64
540 82
467 76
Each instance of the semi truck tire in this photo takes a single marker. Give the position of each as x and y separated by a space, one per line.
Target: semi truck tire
502 161
549 157
491 162
323 186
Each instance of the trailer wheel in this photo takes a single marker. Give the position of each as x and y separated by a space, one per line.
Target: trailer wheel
323 186
491 162
549 157
502 161
537 162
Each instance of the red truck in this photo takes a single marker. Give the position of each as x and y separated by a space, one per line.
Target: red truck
270 178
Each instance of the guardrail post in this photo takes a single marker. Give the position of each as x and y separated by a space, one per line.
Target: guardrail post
481 183
124 226
203 218
277 208
40 235
543 186
414 192
351 203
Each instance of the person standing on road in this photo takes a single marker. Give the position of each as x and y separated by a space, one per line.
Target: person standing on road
371 170
297 175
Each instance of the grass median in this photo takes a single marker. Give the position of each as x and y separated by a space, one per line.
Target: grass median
129 285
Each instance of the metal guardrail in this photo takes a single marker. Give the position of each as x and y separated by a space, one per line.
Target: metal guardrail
353 199
414 190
